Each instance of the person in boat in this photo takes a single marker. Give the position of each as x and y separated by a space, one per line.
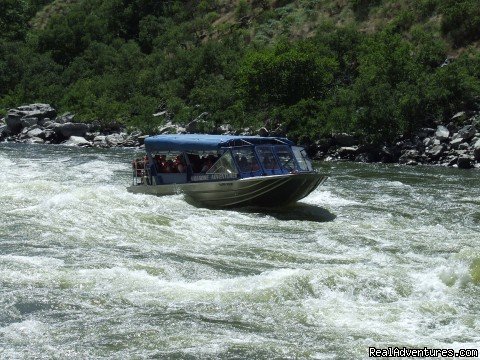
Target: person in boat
179 164
206 165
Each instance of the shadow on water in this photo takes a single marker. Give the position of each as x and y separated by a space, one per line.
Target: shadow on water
297 211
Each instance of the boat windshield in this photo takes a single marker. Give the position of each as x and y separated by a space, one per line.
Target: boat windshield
267 158
246 159
224 165
285 156
303 161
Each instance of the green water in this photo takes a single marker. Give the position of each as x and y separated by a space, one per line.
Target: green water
379 256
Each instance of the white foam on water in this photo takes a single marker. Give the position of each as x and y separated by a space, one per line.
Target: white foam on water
105 273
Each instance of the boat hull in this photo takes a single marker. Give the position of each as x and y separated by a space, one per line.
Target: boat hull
270 191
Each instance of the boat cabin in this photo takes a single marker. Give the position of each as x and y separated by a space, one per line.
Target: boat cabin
178 159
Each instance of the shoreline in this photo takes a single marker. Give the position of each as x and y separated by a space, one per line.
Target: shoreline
456 144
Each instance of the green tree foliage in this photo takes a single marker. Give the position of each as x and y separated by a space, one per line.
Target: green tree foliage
461 20
124 60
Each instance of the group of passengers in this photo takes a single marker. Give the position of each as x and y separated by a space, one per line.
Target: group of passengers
201 164
164 165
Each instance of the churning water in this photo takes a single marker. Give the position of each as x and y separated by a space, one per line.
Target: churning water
379 256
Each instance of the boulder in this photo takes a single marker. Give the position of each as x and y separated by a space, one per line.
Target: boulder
115 140
40 111
425 132
348 152
77 141
35 140
442 133
476 150
100 141
459 117
343 139
3 130
50 135
465 162
65 118
14 121
466 133
456 143
435 152
71 129
28 121
409 156
427 141
36 133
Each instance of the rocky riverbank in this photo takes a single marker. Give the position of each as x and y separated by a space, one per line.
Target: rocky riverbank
454 144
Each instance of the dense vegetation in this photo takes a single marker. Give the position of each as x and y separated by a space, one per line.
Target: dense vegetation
375 67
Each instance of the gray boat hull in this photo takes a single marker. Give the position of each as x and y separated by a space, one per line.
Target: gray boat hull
270 191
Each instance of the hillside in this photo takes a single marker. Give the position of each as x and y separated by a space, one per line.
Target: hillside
378 68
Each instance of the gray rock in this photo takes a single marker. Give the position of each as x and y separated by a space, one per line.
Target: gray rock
50 135
442 133
343 139
65 118
435 152
456 143
409 156
465 162
115 139
14 121
71 129
35 140
3 130
466 133
427 141
464 146
37 132
459 117
348 152
476 150
425 132
40 111
100 141
28 121
77 141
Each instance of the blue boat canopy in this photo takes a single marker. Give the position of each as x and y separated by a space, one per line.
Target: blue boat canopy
197 142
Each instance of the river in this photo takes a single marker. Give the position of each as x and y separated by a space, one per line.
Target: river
380 255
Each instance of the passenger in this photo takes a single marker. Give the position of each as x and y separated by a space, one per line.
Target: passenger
179 164
268 163
206 166
169 167
243 164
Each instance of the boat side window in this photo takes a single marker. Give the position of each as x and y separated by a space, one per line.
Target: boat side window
169 163
302 158
246 160
224 165
285 156
267 158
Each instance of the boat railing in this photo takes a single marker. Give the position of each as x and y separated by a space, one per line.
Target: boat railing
140 172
